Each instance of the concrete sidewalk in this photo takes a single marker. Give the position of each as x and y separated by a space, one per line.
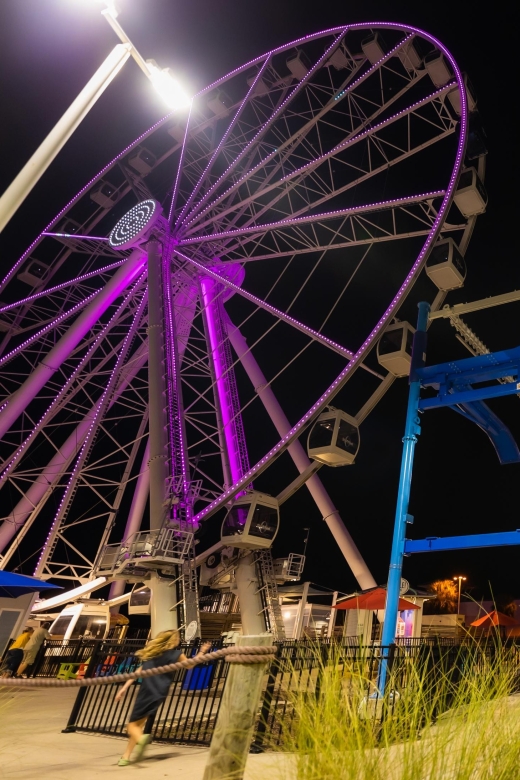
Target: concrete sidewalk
32 746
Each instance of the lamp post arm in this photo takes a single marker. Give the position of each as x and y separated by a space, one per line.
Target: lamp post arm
36 166
123 37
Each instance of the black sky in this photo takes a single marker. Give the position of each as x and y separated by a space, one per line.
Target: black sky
49 49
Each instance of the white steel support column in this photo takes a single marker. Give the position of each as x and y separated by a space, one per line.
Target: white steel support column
51 363
163 597
315 486
246 588
247 585
18 190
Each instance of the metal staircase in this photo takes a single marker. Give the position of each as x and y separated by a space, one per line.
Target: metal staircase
268 591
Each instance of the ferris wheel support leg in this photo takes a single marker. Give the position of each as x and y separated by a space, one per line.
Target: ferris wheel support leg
315 486
135 518
246 588
163 597
51 363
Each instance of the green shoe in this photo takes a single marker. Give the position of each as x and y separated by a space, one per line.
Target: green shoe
141 746
124 762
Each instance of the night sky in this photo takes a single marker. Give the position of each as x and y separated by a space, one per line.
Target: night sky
49 49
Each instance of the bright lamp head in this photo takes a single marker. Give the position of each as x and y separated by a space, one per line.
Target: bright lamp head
168 88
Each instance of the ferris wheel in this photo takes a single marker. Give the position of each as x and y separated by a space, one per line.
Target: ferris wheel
296 205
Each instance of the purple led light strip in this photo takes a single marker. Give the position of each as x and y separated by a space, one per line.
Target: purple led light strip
75 235
210 303
48 413
175 416
283 146
269 122
346 353
313 163
397 300
48 327
224 138
179 168
62 286
99 409
290 222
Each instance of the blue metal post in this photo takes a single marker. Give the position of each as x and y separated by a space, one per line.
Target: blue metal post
412 430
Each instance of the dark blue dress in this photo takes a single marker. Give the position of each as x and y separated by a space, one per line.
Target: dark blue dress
154 690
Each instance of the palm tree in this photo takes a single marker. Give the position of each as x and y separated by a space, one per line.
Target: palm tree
445 601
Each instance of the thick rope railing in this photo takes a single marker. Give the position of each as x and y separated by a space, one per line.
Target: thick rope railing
234 655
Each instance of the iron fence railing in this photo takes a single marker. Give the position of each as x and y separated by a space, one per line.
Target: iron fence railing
189 713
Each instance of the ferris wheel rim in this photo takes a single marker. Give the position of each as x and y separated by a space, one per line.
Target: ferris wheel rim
405 287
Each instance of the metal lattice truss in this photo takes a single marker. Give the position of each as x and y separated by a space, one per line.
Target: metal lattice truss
325 169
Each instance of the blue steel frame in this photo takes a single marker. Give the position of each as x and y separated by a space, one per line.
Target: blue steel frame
454 385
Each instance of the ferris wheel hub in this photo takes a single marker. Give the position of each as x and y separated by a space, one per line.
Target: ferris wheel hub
136 225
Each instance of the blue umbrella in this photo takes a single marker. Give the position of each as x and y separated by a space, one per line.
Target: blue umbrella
13 585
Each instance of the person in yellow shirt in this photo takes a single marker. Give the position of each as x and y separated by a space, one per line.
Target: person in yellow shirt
14 655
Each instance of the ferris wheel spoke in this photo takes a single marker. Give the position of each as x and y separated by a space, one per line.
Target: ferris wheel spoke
330 230
271 309
376 145
272 119
72 387
345 93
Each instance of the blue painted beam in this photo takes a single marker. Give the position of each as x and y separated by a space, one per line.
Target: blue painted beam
467 396
473 365
468 542
499 434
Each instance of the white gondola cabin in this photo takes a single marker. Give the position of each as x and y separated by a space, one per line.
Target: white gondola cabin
445 266
470 196
298 65
252 522
454 97
143 161
220 103
34 273
437 68
394 348
373 48
105 195
140 600
334 439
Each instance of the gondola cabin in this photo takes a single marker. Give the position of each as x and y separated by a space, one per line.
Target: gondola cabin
140 600
394 349
445 266
334 439
470 196
252 522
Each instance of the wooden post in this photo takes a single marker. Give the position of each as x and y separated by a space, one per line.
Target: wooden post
236 717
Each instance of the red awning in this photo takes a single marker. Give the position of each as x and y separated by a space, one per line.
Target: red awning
374 599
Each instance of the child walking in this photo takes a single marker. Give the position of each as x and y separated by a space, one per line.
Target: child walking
161 651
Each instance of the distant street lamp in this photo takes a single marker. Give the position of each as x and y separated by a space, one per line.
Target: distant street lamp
161 79
459 578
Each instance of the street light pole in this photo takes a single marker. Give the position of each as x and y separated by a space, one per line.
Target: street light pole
459 578
32 171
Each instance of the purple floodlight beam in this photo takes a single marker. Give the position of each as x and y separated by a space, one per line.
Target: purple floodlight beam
209 290
292 221
403 290
267 306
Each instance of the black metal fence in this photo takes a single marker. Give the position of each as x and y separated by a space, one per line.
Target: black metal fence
189 713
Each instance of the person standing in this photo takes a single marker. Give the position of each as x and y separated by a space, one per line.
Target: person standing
33 645
161 651
15 653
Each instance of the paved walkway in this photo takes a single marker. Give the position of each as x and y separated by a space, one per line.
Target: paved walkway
32 746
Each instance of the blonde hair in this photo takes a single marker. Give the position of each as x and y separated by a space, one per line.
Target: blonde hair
165 640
